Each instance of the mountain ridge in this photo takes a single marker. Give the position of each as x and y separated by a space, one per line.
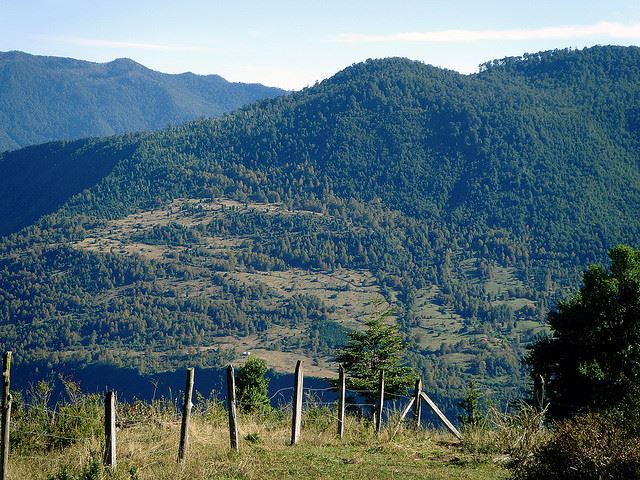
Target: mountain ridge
52 98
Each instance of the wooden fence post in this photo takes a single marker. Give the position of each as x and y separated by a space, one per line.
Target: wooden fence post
417 405
380 405
403 414
186 416
342 391
440 415
110 430
6 414
231 406
296 420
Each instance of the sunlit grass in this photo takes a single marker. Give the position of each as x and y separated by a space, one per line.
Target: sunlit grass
148 450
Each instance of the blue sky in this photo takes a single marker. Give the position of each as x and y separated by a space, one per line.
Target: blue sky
292 44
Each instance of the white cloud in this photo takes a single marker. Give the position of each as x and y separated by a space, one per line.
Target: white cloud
607 29
93 42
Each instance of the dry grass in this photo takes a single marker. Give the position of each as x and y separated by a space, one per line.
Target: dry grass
148 451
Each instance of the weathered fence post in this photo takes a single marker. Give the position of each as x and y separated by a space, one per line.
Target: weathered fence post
110 430
342 391
6 414
403 414
417 404
441 415
296 420
231 406
186 415
380 404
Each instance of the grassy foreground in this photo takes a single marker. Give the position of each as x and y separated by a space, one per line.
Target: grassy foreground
148 450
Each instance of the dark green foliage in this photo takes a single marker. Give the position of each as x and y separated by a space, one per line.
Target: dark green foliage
592 359
591 446
49 98
253 387
40 425
172 234
472 416
378 347
253 437
92 471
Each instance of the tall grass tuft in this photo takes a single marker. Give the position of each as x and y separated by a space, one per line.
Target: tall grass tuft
39 424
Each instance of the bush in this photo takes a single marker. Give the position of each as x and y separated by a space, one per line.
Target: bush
253 387
93 471
42 425
589 446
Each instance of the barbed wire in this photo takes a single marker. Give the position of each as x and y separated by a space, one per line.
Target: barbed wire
279 392
315 404
360 391
397 395
319 389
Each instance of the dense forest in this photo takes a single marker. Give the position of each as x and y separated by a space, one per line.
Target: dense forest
473 202
51 98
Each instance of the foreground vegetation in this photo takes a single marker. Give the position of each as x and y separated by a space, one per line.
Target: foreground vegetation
148 443
65 442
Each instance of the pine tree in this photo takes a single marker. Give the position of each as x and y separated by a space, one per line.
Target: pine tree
253 386
379 346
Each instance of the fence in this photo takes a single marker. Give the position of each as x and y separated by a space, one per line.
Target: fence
413 402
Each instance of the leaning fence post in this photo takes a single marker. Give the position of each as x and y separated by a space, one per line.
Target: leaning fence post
296 420
6 414
380 405
186 415
110 430
417 404
231 406
440 415
341 400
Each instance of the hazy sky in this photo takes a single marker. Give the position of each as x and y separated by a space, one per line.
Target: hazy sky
292 44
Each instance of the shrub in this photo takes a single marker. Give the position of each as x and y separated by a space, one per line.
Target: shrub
42 425
253 387
93 471
588 446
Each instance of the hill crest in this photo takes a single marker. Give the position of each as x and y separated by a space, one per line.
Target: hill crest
48 98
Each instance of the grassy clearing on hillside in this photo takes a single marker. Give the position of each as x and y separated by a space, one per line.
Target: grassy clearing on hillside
148 451
436 324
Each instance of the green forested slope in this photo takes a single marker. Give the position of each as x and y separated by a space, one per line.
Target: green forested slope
472 201
51 98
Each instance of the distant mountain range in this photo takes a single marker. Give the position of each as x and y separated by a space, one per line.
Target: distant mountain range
51 98
469 203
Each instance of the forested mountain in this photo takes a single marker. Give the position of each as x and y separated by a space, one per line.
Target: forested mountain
51 98
468 203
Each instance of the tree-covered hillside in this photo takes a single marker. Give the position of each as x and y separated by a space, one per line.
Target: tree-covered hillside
468 203
50 98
